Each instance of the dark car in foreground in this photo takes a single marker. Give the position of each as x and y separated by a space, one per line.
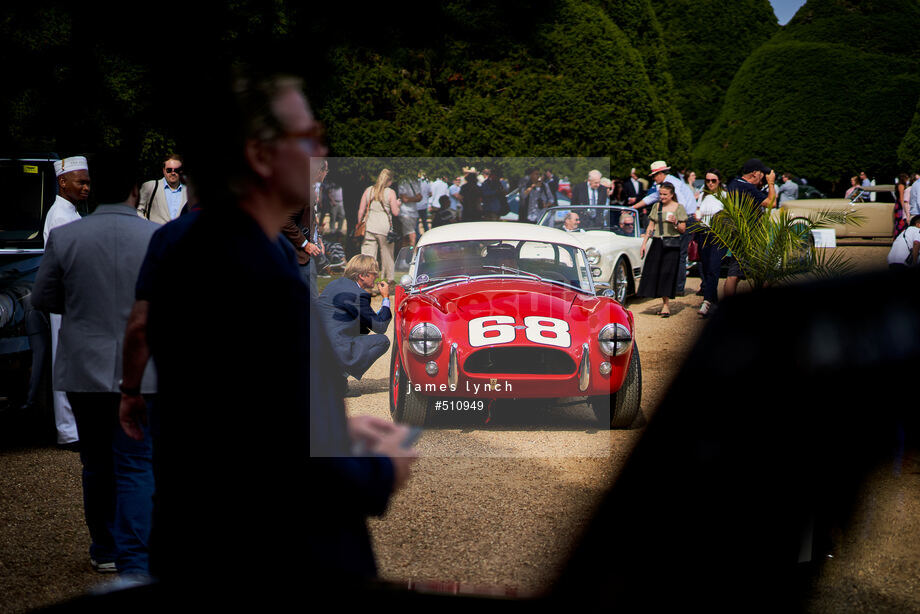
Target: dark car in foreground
27 190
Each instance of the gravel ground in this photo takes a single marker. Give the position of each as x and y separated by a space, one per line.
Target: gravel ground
498 504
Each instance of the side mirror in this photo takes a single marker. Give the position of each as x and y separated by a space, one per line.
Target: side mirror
406 280
602 288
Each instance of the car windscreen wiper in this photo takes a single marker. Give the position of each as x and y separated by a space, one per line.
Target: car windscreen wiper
508 269
435 281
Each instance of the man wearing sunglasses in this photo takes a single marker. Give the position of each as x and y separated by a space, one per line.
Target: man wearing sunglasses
161 200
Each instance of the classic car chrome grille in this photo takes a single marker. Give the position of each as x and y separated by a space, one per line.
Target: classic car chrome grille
523 360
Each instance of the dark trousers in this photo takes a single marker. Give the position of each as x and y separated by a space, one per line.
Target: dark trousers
308 274
39 332
422 221
710 267
117 483
682 261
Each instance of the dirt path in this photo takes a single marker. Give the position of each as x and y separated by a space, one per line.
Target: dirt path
499 504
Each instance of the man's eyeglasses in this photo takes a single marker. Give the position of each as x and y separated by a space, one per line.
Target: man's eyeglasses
313 136
712 181
178 169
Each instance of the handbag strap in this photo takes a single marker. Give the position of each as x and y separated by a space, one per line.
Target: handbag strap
386 209
153 194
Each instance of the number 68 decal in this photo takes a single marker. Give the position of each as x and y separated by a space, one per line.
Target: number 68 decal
495 330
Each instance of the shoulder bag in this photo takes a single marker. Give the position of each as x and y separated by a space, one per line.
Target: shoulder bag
361 227
668 242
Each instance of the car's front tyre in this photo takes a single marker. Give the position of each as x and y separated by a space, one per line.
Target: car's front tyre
416 408
406 405
621 410
398 383
619 281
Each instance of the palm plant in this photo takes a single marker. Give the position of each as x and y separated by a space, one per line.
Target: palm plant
775 248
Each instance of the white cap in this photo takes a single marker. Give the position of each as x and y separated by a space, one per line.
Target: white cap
74 163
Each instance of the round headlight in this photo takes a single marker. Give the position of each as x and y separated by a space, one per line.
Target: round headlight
614 339
424 339
593 255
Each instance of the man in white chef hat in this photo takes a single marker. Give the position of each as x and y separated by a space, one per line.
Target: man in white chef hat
73 187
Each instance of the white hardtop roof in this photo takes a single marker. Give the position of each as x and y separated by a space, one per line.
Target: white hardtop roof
496 231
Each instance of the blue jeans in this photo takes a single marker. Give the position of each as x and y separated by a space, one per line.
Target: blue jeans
117 483
710 267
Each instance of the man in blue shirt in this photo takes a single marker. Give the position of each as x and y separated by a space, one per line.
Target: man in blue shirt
161 200
752 176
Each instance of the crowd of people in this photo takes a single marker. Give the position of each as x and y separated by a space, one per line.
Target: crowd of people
185 372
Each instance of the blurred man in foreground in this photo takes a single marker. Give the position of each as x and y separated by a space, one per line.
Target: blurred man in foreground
240 392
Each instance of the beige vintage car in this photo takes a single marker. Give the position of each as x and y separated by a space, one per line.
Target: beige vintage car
877 217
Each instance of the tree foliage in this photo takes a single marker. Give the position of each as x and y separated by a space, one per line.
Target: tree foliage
707 41
909 149
560 81
825 96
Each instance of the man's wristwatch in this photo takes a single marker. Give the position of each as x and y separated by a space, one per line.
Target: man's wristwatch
131 392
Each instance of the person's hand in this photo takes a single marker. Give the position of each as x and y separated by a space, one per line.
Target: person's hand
771 177
384 437
384 288
313 249
132 415
630 200
402 458
642 250
368 429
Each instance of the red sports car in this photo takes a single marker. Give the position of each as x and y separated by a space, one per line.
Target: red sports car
495 310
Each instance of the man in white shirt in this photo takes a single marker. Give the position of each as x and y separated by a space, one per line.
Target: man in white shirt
914 201
571 222
422 205
438 189
590 192
906 244
73 188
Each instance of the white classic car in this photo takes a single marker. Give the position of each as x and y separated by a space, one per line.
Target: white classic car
610 236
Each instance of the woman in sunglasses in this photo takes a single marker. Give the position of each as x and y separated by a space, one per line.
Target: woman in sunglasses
711 253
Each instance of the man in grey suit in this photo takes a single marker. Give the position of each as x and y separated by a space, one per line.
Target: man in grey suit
161 200
88 274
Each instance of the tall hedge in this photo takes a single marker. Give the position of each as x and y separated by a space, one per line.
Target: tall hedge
461 77
707 41
560 79
830 94
909 149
